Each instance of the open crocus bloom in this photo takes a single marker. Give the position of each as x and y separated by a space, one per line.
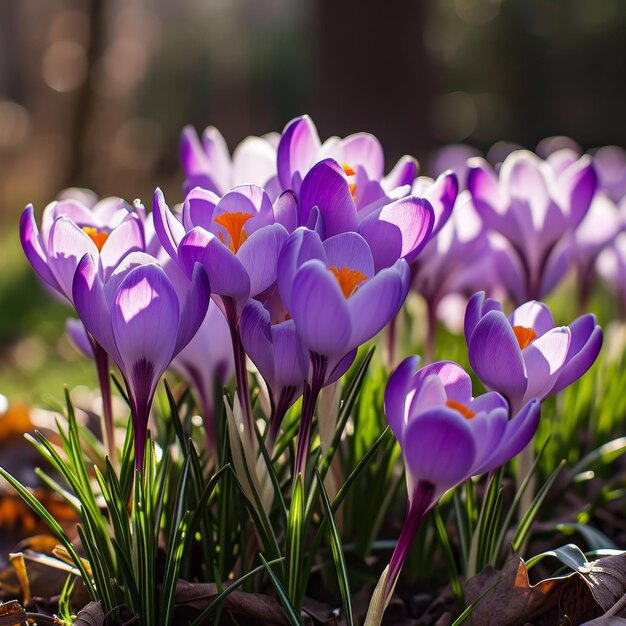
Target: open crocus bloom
446 436
107 231
233 237
138 318
533 205
207 162
525 356
360 155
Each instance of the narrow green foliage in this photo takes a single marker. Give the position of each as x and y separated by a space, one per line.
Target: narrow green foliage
295 536
338 556
453 571
291 612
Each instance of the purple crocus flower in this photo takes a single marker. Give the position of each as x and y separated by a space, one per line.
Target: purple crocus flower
611 266
525 356
75 225
360 155
137 317
271 341
446 436
337 301
207 162
532 206
237 240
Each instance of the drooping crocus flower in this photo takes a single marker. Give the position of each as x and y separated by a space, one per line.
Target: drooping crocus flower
207 162
271 341
337 301
456 261
138 318
445 436
532 206
75 225
360 155
525 356
237 241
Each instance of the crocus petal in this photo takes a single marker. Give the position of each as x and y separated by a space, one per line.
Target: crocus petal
586 341
489 402
192 157
303 245
396 392
67 244
398 230
341 367
533 314
349 250
376 301
298 147
29 237
79 337
576 187
127 237
259 256
198 208
194 307
428 394
365 150
543 359
291 362
254 162
227 275
168 229
286 210
92 307
495 356
403 173
218 156
519 432
477 307
319 310
256 336
326 187
455 380
442 195
145 316
439 448
482 183
488 430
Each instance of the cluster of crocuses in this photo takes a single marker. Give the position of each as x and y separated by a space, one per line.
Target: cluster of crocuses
293 253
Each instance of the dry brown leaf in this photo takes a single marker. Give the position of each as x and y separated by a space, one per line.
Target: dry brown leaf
12 614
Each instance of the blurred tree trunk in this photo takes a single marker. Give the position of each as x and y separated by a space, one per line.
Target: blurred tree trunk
373 72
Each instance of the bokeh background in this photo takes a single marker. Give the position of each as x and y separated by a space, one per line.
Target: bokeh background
95 93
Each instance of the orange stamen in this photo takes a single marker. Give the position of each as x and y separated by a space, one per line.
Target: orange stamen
348 279
233 223
524 335
352 188
349 170
466 412
97 236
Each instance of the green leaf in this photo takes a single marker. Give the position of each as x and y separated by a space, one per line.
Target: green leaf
338 556
453 572
295 534
282 596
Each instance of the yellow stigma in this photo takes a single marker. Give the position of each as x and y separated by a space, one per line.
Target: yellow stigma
524 335
97 236
348 279
465 411
233 223
350 171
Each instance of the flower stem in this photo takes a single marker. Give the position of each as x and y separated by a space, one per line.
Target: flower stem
309 399
107 425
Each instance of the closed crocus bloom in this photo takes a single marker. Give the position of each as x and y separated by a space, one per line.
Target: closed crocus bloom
137 317
533 206
108 230
360 155
524 355
207 163
271 341
338 302
446 436
393 228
